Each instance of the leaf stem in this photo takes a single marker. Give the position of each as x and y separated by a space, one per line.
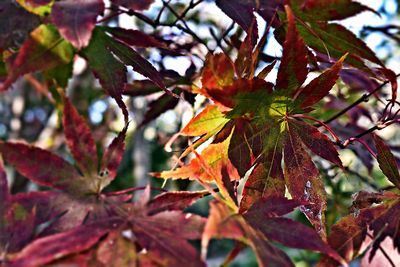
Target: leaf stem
352 139
133 189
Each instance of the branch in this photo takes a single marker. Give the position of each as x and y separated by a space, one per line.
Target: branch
363 98
185 27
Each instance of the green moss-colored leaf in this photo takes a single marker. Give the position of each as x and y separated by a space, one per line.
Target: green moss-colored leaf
41 8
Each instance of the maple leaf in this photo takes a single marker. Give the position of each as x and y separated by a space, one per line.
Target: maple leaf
157 227
39 7
116 250
105 54
218 71
265 128
303 180
319 87
82 217
134 37
16 223
294 71
387 161
47 249
331 39
163 230
210 121
259 225
164 235
349 233
75 19
81 197
205 167
173 201
266 180
263 215
43 50
325 10
386 225
317 142
241 13
80 140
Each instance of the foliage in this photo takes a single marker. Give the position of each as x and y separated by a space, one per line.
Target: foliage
262 151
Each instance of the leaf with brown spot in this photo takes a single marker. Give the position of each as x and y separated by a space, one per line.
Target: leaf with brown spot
303 180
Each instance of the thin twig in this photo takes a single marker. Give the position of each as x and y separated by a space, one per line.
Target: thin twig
363 98
185 27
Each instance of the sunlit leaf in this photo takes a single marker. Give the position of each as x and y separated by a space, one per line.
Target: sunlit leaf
209 121
206 166
39 7
303 180
218 71
43 50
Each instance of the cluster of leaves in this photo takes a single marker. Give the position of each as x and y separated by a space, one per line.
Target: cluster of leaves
253 133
